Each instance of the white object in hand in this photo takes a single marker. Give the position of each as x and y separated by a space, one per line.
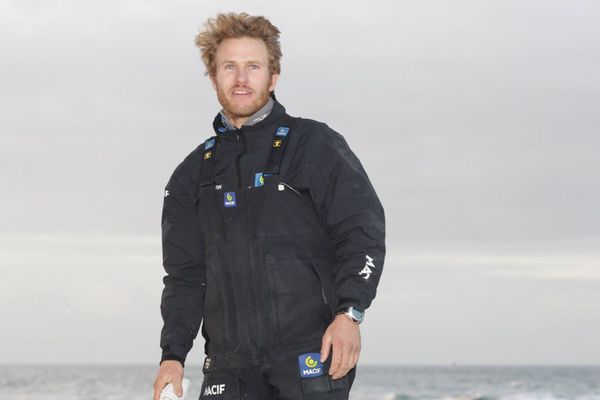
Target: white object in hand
168 393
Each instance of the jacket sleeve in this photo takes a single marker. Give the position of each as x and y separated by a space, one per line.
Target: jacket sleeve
183 260
353 215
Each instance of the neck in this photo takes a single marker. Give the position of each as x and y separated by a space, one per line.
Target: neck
239 121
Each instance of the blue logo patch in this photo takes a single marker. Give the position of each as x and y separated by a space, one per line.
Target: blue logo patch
209 143
310 366
222 129
282 131
258 179
229 199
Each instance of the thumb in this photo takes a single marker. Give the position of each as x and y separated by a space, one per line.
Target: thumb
325 347
178 388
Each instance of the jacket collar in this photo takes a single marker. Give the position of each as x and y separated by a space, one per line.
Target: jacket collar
223 130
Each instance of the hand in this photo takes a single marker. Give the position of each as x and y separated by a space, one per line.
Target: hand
170 371
344 336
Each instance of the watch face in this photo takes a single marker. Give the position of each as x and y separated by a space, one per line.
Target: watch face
357 314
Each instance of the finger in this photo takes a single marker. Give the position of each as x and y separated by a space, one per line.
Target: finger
159 385
161 382
336 358
343 368
352 358
356 359
349 359
340 374
178 387
325 347
357 354
347 363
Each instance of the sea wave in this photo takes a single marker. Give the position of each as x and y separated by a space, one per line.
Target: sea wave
517 396
548 396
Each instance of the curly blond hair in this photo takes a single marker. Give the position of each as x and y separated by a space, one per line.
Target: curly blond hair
232 25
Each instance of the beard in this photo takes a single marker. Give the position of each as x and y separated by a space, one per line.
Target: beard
235 110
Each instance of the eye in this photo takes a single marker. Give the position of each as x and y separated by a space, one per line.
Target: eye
229 66
254 66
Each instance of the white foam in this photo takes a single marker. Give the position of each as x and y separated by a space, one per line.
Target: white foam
532 396
168 393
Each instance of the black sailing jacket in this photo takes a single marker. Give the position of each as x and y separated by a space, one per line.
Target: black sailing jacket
222 266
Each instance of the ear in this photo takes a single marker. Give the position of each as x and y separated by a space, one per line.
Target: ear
213 81
274 78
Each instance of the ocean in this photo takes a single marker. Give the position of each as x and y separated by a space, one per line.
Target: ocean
115 382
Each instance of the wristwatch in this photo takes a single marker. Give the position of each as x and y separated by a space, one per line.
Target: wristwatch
355 314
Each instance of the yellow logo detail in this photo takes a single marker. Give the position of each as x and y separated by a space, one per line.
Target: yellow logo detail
262 180
277 143
207 155
310 363
229 197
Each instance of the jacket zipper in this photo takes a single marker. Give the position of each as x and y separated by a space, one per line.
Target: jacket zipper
241 139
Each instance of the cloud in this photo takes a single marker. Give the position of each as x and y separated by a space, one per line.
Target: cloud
542 266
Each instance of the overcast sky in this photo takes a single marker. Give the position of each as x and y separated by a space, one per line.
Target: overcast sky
477 121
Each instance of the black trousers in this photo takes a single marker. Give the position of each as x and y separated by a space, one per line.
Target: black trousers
283 376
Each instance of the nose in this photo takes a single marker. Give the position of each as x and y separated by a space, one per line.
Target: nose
241 76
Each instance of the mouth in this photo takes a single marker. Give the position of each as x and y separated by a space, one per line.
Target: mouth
241 92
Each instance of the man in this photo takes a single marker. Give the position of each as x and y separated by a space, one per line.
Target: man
273 238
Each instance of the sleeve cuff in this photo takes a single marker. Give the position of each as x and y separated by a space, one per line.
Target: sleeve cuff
172 357
343 304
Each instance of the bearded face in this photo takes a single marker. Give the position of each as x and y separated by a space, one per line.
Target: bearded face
242 78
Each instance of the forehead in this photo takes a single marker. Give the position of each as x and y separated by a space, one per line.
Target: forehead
242 49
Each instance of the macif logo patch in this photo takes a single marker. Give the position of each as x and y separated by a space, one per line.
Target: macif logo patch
214 389
282 131
229 199
259 180
209 143
310 366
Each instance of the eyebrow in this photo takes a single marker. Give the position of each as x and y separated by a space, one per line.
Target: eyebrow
245 62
